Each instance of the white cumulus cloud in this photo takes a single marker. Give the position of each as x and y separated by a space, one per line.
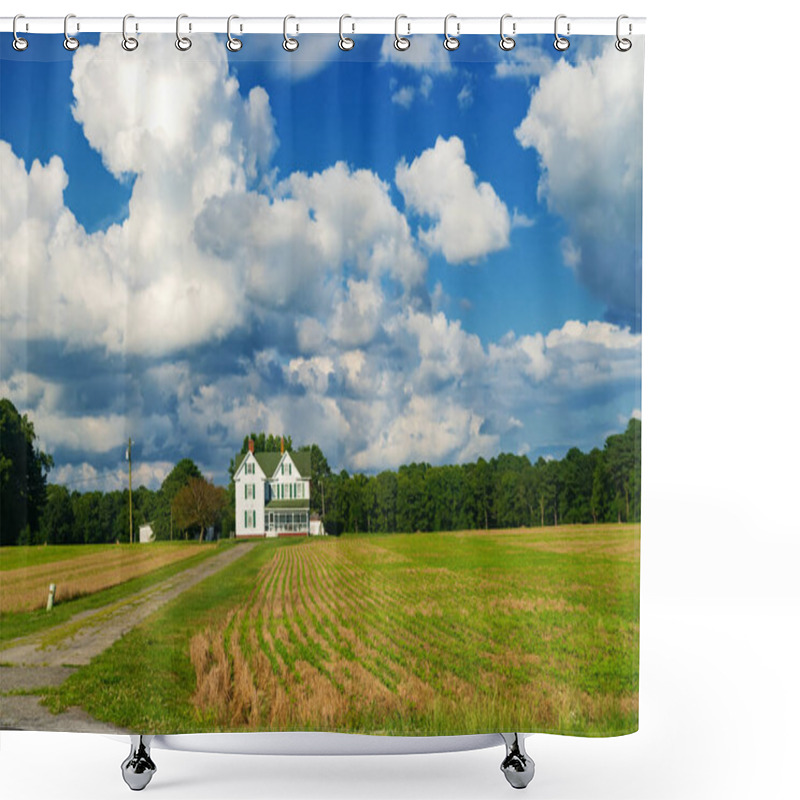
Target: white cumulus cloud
470 220
591 157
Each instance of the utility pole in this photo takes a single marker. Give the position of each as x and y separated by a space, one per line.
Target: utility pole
129 456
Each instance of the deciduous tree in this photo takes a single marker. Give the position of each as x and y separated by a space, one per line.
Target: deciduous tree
23 476
199 504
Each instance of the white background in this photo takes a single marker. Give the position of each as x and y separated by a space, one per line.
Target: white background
720 605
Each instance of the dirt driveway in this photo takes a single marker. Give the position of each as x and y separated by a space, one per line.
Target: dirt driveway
49 657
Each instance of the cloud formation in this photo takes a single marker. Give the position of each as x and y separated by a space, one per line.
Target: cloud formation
591 157
234 298
470 220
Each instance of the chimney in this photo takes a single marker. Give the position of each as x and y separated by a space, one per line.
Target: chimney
281 445
251 446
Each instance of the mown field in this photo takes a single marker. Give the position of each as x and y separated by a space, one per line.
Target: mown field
79 570
14 624
414 634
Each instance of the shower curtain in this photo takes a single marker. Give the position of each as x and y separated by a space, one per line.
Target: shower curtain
320 373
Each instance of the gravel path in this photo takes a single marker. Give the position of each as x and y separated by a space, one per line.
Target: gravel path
49 657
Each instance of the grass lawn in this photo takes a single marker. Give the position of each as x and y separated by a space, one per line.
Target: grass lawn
408 634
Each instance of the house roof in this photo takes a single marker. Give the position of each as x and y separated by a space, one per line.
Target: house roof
289 505
269 462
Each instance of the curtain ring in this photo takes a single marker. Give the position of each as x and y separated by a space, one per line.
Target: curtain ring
561 44
623 45
129 43
400 42
19 44
345 43
233 44
70 42
451 42
289 44
183 43
506 42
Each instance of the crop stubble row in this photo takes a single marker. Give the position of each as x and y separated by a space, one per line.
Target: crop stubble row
324 643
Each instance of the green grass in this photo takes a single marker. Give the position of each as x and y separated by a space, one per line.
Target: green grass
144 682
412 634
25 623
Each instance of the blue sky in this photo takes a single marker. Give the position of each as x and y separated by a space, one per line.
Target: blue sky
417 256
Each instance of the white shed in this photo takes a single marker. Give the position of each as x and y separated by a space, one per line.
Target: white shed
315 526
146 533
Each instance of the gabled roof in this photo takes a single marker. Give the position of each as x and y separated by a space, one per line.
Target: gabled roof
269 462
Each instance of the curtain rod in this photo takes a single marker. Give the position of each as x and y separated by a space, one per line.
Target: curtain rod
461 26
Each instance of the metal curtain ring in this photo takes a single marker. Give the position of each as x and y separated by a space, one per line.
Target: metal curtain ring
19 44
70 42
561 44
183 43
451 42
233 44
506 42
345 43
129 43
623 45
289 44
400 42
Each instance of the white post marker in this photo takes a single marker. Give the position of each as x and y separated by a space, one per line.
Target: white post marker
51 597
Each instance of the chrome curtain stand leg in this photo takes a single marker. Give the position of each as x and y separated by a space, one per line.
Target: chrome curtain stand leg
517 766
138 768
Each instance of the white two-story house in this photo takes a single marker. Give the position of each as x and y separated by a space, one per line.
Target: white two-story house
273 492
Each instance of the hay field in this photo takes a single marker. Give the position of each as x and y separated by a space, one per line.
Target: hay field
423 634
79 570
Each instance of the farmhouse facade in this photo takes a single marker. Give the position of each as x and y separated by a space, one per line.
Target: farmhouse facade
273 493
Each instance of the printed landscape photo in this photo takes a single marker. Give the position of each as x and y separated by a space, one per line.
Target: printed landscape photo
320 409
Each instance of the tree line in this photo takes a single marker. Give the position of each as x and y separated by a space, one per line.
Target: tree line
185 505
506 491
33 512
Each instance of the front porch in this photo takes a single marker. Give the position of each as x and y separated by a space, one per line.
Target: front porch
281 519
